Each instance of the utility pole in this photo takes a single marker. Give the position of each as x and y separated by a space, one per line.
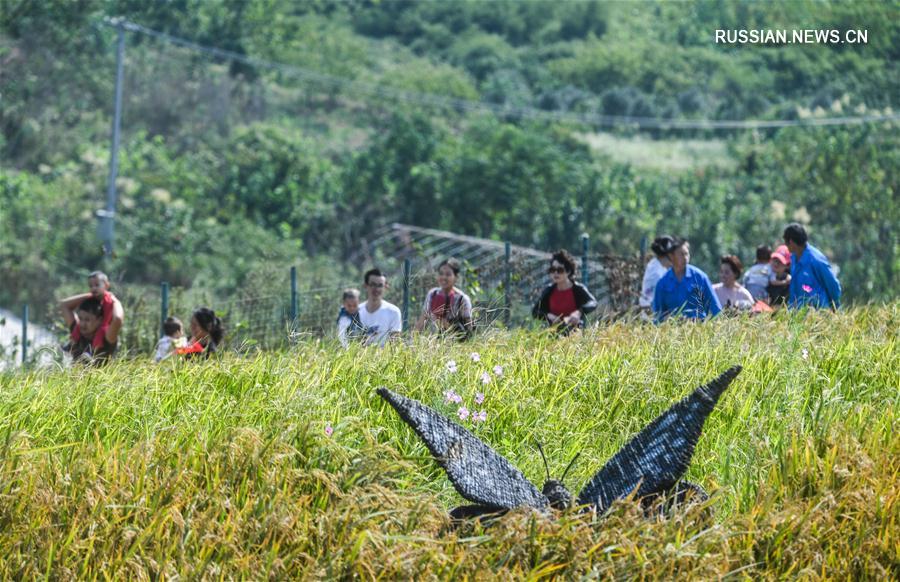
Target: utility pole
107 215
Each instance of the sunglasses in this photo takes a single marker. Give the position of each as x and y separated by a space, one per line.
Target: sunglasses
560 270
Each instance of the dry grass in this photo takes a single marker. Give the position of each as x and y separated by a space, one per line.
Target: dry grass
665 155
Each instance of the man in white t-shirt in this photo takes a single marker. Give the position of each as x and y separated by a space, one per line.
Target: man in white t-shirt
381 319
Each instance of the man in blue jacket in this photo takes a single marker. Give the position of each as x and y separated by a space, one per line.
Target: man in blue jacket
684 290
813 282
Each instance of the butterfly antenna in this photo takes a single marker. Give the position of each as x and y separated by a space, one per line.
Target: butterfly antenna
572 462
546 467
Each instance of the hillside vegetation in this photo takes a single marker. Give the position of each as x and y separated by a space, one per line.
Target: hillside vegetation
227 469
229 168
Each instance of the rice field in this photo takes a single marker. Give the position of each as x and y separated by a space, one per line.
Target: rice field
288 465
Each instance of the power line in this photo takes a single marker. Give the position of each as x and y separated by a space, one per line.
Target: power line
428 99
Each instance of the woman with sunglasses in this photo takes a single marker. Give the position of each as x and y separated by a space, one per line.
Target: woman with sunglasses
565 302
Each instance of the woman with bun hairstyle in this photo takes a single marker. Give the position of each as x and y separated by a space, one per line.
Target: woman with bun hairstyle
656 268
207 333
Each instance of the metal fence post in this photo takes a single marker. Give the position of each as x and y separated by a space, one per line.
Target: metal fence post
585 245
295 308
163 305
507 282
108 214
406 268
24 334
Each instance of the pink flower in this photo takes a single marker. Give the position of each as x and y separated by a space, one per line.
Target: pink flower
451 396
463 413
480 416
479 398
807 288
485 378
498 370
476 357
329 430
451 366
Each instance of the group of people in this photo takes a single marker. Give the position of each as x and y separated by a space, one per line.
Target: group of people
207 333
447 310
94 320
795 274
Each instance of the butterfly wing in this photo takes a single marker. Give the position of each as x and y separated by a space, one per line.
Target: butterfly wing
654 460
477 472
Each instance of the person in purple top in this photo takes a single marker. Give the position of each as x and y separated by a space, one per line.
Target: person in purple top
813 283
684 290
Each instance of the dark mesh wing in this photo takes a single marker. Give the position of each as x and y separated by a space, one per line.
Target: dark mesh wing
659 455
475 469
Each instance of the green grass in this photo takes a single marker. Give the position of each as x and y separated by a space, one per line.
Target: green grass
223 469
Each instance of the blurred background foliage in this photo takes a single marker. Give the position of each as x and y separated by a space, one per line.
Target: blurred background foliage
229 168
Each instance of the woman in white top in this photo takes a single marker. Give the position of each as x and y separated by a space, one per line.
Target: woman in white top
731 294
656 268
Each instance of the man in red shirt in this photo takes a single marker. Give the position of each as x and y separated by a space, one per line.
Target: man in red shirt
98 283
93 346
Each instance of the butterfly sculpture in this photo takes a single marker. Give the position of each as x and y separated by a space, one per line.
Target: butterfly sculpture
649 465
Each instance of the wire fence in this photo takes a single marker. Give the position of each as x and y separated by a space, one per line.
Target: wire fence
182 93
503 287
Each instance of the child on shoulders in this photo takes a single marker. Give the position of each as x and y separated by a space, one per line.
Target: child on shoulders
98 283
